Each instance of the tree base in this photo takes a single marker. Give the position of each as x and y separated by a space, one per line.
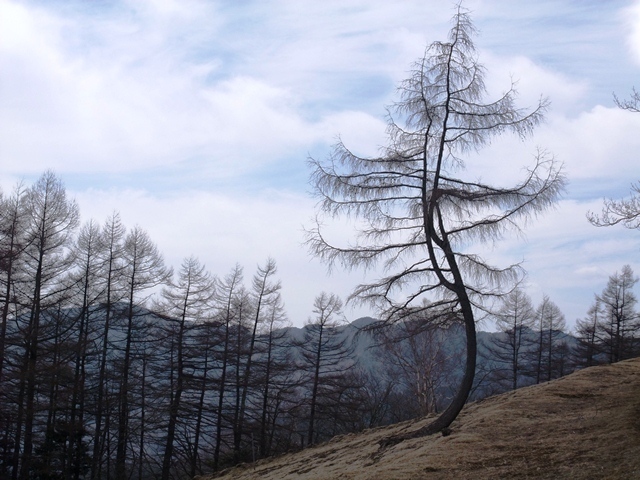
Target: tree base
425 431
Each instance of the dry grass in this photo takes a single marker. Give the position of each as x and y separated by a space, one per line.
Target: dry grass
583 426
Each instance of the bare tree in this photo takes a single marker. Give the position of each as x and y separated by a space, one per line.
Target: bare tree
184 303
89 288
274 361
587 348
12 244
112 267
263 292
144 269
551 325
227 292
207 334
514 320
620 320
416 214
415 353
13 216
243 315
324 356
51 220
377 393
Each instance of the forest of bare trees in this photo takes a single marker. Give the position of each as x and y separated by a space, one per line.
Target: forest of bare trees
114 366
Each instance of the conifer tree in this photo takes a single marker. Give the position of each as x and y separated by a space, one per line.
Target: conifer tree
416 211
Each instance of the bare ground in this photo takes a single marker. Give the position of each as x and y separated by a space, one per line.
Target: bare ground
583 426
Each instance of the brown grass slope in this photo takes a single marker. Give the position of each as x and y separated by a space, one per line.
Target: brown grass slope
583 426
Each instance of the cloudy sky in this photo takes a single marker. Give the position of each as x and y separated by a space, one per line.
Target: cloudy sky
194 119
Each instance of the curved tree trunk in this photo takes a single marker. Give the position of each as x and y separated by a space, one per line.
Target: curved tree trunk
447 417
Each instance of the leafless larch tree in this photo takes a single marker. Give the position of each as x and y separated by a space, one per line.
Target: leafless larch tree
417 214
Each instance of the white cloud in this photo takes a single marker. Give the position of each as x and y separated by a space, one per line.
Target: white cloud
363 134
231 97
533 82
223 230
598 145
119 108
632 17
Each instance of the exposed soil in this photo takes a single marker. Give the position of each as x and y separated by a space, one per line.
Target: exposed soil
583 426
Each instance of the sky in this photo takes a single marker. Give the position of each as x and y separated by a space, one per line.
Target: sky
194 119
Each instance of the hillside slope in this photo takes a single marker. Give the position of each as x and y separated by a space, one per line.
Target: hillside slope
583 426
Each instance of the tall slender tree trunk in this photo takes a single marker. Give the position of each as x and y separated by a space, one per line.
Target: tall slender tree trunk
141 444
516 352
221 392
245 382
123 396
265 398
540 348
77 402
5 305
15 467
314 389
98 437
31 365
175 402
195 457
